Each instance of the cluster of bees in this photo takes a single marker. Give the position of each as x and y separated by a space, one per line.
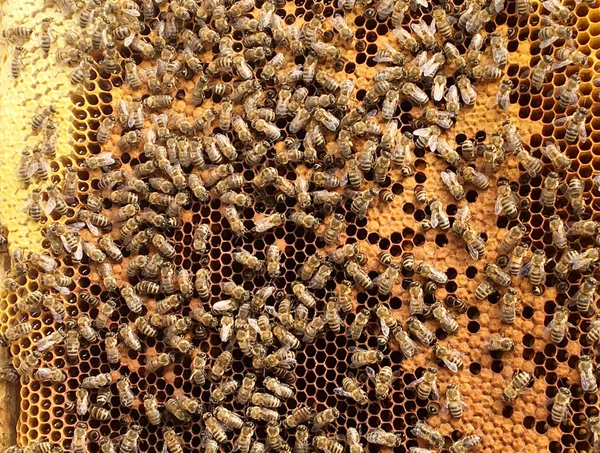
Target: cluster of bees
272 104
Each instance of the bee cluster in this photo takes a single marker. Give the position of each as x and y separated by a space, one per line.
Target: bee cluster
205 283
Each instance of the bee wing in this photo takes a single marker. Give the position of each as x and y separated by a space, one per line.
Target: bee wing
583 133
254 323
474 253
581 261
371 373
434 219
92 228
408 157
525 270
561 64
429 67
546 42
123 108
435 393
499 54
385 330
452 94
431 28
432 142
451 365
131 12
270 310
340 391
382 59
289 364
498 206
551 5
401 34
127 42
356 349
447 178
62 290
75 227
464 95
55 315
562 120
78 254
50 205
371 114
586 383
65 244
438 92
416 382
464 214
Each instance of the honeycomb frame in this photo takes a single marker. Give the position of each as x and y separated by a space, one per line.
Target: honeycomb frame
394 228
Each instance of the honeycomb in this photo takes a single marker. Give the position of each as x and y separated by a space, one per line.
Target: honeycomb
46 411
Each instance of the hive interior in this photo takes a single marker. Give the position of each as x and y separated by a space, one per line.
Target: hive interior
524 426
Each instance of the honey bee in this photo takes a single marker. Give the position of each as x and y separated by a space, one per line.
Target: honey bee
447 323
18 33
508 305
129 443
151 410
246 389
534 269
557 328
422 333
221 365
450 357
516 261
158 101
34 205
500 343
260 297
520 380
363 357
312 329
570 55
507 201
511 239
466 444
198 368
585 294
17 64
82 401
96 381
585 366
49 374
360 321
80 438
560 409
383 380
301 219
540 72
160 361
454 402
428 434
130 339
351 388
265 400
262 414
